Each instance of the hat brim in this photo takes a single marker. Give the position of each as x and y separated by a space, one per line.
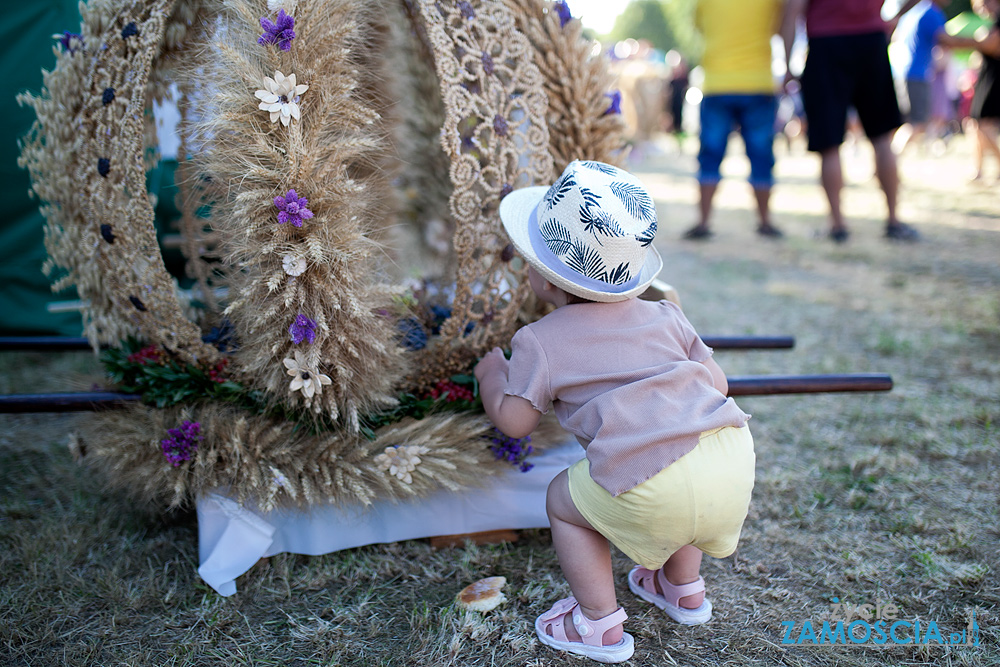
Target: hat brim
515 214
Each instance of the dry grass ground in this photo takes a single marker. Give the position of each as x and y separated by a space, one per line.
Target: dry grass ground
864 497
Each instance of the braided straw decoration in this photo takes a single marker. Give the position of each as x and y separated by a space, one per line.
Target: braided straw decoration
576 82
85 154
495 134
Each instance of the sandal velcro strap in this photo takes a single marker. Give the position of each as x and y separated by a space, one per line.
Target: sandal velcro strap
673 593
592 632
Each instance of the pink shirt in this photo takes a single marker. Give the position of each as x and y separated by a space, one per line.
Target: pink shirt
626 379
825 18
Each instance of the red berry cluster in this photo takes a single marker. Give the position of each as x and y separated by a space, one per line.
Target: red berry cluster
215 373
150 353
455 392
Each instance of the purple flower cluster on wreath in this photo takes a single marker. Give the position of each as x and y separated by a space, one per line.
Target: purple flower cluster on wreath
303 328
512 450
292 208
616 102
562 9
69 40
182 443
281 32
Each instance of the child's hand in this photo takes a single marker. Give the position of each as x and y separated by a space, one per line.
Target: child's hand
493 361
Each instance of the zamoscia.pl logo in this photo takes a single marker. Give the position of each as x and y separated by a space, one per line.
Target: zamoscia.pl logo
875 625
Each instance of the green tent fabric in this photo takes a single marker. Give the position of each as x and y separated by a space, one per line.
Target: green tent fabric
27 38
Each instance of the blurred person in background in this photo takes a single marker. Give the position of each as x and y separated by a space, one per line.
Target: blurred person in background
677 89
925 37
984 110
739 92
848 64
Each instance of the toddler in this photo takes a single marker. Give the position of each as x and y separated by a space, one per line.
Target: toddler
669 460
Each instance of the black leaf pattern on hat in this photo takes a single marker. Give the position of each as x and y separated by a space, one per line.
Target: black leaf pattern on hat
558 190
556 237
635 199
598 221
586 260
619 275
589 197
608 169
647 236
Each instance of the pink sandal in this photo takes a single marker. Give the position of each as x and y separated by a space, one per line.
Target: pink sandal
592 632
641 582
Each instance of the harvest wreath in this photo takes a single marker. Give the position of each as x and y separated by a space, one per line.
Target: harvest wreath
300 368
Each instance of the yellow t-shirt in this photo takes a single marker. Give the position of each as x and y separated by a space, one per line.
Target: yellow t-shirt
737 36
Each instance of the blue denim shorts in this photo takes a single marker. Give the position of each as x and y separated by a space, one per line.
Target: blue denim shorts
754 115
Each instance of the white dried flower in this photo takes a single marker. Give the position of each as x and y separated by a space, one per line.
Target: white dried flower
280 97
401 460
294 265
304 376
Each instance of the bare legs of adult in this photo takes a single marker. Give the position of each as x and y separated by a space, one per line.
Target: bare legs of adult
765 228
888 177
831 176
706 193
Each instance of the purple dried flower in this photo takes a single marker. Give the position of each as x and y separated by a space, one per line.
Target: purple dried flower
292 208
108 96
182 442
303 328
512 450
487 59
505 190
70 41
562 8
130 30
467 10
500 125
616 102
281 32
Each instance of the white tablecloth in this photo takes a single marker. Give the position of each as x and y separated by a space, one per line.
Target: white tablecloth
231 538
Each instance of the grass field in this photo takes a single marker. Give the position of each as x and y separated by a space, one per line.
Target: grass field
869 498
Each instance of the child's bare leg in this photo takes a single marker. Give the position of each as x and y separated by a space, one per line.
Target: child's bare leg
683 568
585 558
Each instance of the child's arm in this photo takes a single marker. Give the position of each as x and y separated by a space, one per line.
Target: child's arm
718 376
513 415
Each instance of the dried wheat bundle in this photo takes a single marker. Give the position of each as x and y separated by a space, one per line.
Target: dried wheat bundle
317 270
270 463
577 82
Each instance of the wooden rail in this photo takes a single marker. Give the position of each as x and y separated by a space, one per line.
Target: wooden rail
69 344
750 385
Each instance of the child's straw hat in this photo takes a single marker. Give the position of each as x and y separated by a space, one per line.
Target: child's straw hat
590 234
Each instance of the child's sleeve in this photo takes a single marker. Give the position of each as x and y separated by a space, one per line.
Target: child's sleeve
696 348
528 374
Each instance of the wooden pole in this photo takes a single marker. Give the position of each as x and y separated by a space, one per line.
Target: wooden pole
750 385
69 344
75 402
759 385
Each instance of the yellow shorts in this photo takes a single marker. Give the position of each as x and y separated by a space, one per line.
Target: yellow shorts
700 499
